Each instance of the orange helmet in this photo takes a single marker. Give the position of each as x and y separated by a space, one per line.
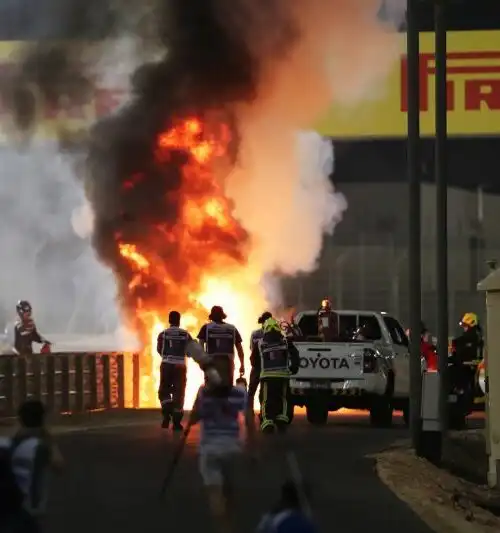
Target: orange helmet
326 304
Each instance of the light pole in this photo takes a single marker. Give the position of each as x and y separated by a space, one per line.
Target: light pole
441 211
414 223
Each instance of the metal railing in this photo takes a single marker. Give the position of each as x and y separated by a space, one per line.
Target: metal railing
70 382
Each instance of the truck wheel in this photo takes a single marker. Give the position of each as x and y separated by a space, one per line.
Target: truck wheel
317 414
381 412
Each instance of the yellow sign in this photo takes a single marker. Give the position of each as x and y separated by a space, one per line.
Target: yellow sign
473 70
473 73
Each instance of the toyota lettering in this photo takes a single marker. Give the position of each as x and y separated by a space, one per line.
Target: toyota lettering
324 362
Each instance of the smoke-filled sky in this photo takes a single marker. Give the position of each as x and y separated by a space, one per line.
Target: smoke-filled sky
264 70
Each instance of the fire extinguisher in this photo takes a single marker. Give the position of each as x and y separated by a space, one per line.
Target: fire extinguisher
242 382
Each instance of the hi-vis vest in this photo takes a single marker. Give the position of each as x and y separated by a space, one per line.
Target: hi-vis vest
220 339
255 337
274 359
174 344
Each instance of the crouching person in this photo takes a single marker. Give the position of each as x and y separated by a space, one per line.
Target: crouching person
220 411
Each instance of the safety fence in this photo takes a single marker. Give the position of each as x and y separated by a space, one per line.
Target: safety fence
70 382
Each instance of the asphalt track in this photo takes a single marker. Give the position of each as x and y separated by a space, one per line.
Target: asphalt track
113 475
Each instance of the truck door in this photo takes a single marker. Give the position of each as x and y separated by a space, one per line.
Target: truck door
401 357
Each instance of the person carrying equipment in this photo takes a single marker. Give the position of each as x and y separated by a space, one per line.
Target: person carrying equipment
25 331
219 339
218 409
274 358
172 345
328 322
254 339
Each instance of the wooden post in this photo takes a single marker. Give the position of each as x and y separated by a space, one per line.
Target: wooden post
92 366
106 381
79 384
65 391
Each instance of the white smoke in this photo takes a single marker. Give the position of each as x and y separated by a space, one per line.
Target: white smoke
282 185
43 259
281 188
46 225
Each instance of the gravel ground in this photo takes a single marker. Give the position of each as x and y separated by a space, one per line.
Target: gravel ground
452 498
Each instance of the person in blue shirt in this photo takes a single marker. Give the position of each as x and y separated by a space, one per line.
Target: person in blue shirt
288 516
221 411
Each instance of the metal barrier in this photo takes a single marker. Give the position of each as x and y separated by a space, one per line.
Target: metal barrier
70 382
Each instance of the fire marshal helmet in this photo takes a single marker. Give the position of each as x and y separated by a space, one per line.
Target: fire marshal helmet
469 320
271 324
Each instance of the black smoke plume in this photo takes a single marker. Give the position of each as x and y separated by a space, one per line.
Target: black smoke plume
262 68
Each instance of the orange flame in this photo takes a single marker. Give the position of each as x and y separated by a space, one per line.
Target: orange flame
210 266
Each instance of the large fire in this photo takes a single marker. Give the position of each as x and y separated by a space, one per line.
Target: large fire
198 262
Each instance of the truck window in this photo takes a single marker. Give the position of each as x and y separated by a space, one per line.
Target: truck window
371 327
308 324
397 333
347 326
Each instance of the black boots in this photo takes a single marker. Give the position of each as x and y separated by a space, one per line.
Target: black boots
177 419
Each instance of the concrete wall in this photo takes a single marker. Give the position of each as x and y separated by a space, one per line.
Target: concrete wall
365 264
378 212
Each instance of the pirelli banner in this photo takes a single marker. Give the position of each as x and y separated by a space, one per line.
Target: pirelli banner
473 70
473 95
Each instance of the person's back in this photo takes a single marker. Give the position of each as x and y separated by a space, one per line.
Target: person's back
31 454
468 347
219 419
218 411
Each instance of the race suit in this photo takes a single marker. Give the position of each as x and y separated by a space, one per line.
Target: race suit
219 340
24 334
275 359
172 345
220 433
328 325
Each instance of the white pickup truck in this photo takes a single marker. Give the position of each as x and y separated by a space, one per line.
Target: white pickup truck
369 371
